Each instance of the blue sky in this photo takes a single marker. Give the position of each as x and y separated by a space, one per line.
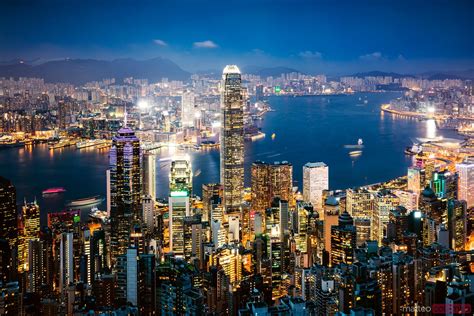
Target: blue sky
313 36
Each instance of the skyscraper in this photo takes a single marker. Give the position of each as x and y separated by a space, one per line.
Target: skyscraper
187 109
28 228
315 181
125 187
232 139
181 175
66 261
466 181
343 240
270 181
179 208
8 213
149 175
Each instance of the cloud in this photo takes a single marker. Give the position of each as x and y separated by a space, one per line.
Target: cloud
160 42
205 44
372 56
310 54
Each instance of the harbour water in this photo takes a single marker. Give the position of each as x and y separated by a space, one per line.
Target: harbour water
306 129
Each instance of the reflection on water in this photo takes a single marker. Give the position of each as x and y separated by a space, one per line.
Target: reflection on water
308 129
430 128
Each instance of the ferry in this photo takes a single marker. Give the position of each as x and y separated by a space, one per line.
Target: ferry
51 191
11 144
413 150
273 136
355 153
86 201
360 145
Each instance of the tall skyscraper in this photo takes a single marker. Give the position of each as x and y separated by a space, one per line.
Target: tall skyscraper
466 181
315 181
181 175
125 187
179 208
270 181
8 213
149 175
66 261
187 109
343 240
232 139
28 228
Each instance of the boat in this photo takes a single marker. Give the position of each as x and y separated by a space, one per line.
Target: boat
413 150
86 201
360 145
273 136
11 144
355 153
52 191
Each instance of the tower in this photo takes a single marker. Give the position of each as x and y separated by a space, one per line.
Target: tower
232 139
315 181
125 187
8 214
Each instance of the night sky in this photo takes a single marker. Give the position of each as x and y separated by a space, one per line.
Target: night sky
326 36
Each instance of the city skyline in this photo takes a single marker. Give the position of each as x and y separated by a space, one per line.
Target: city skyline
257 184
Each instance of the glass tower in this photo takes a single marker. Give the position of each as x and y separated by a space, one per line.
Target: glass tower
232 139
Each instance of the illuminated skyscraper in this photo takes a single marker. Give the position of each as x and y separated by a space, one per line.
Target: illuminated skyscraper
270 181
187 109
8 213
466 181
457 224
181 175
232 139
125 187
315 181
179 208
416 179
445 185
28 228
149 175
66 261
384 202
343 240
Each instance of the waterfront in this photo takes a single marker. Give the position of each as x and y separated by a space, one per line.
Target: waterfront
305 128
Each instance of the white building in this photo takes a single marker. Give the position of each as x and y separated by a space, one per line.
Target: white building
315 181
466 181
187 110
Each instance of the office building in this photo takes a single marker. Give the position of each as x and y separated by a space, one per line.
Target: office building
125 187
181 175
232 139
8 212
315 181
465 171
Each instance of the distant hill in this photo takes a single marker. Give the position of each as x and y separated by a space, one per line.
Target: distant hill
432 75
381 74
442 75
80 71
267 71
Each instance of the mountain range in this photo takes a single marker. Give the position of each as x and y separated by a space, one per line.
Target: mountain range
80 71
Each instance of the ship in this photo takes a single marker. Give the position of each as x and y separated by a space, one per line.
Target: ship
85 201
360 145
355 153
11 144
413 150
273 136
51 191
